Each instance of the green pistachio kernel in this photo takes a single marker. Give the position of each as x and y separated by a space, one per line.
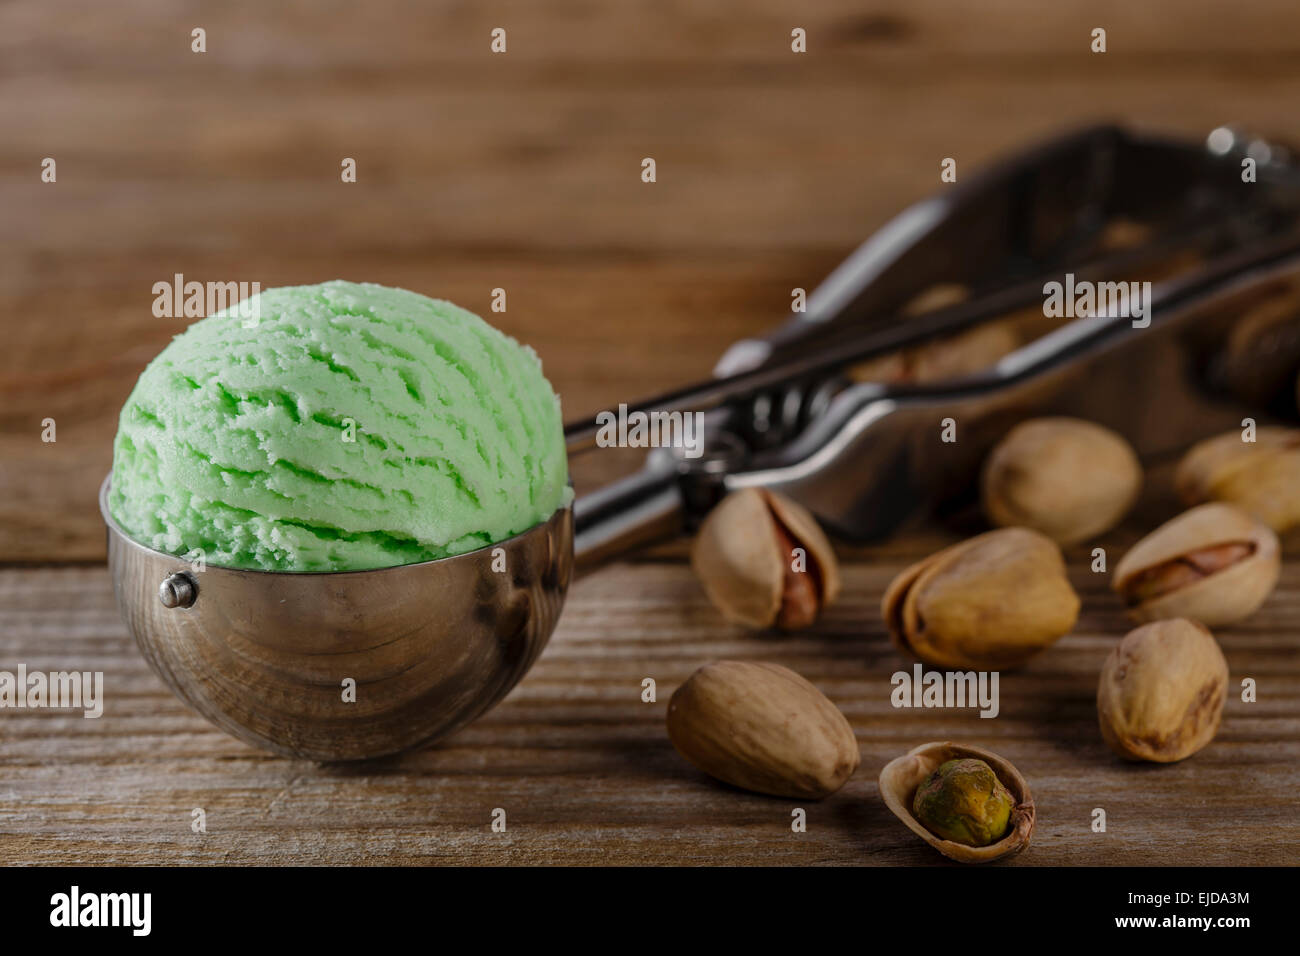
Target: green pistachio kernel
964 801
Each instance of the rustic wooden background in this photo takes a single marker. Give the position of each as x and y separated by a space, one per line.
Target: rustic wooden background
522 171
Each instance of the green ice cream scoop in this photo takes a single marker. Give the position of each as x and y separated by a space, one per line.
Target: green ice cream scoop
346 426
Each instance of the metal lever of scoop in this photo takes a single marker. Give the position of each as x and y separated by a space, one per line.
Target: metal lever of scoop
853 345
1037 214
993 234
863 468
1183 188
876 457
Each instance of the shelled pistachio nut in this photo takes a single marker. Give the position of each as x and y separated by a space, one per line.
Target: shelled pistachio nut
762 727
764 561
964 801
918 781
1214 564
1068 478
1262 477
987 603
1162 690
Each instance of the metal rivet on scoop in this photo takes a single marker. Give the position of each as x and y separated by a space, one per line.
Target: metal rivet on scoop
178 590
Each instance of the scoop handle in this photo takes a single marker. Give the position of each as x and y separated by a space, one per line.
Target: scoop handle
644 508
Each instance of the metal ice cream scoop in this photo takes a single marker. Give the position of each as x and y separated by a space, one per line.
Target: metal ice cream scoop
351 665
345 665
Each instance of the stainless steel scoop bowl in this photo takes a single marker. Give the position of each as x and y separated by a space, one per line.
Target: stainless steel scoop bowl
268 656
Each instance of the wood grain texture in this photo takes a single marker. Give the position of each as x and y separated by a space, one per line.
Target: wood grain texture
479 171
584 769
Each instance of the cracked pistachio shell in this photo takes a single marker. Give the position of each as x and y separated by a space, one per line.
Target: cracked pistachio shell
986 603
742 556
1068 478
1262 477
902 776
762 727
1161 693
1222 596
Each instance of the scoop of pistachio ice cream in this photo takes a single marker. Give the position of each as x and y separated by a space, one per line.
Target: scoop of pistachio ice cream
348 426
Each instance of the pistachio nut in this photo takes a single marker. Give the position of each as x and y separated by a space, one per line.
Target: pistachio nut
1256 359
954 797
941 295
964 353
1123 234
964 801
989 602
764 728
1069 479
1162 690
1262 477
1214 564
764 561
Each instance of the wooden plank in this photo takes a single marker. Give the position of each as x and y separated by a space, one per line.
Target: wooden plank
584 769
154 35
762 166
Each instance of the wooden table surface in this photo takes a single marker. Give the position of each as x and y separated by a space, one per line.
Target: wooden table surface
522 171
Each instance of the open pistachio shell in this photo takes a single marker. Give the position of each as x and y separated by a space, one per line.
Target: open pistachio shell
737 559
901 776
990 602
806 532
1220 597
740 555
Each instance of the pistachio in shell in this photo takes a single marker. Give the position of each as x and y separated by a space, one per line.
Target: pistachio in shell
903 777
990 602
762 727
1256 360
1262 476
1068 478
1215 564
744 556
941 295
1162 690
964 353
